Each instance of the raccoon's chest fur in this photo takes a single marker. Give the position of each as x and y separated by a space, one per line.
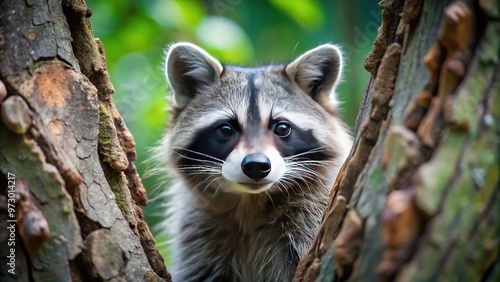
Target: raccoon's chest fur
253 154
245 238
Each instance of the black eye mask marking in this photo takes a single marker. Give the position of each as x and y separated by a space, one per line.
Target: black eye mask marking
216 141
297 141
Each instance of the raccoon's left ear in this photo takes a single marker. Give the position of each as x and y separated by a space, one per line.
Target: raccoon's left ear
316 73
189 68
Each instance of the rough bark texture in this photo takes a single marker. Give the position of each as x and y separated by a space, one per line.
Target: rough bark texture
66 156
419 197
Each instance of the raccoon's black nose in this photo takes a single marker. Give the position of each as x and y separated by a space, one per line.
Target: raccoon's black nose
256 166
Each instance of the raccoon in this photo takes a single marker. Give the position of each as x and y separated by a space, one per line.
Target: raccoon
253 154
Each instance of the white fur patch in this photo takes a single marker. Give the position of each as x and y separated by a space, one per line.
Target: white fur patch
231 170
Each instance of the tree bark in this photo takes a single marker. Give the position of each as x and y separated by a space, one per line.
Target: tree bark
70 192
419 196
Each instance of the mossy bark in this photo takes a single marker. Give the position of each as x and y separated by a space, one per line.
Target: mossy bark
418 199
66 157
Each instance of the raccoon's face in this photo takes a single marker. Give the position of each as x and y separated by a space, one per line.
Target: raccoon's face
249 130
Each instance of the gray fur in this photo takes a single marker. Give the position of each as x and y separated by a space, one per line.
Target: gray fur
223 235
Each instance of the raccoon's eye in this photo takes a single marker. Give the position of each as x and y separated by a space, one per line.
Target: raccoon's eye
282 129
225 131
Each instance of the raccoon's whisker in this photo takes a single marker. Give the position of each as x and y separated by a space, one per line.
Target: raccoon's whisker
201 173
307 167
310 164
315 162
298 168
208 185
315 150
293 182
217 189
308 176
205 184
196 152
202 182
314 178
199 167
205 164
190 179
280 184
304 179
282 187
193 169
306 172
199 160
271 199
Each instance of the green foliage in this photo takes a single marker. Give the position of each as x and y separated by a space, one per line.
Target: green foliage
307 14
135 34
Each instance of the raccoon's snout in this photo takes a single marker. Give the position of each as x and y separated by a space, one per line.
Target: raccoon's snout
256 166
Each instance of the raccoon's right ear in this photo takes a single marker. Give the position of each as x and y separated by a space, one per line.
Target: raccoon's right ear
187 68
316 73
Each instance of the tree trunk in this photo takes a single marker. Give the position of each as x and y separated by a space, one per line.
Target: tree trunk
419 197
69 187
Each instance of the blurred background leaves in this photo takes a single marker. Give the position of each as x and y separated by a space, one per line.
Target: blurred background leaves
135 34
